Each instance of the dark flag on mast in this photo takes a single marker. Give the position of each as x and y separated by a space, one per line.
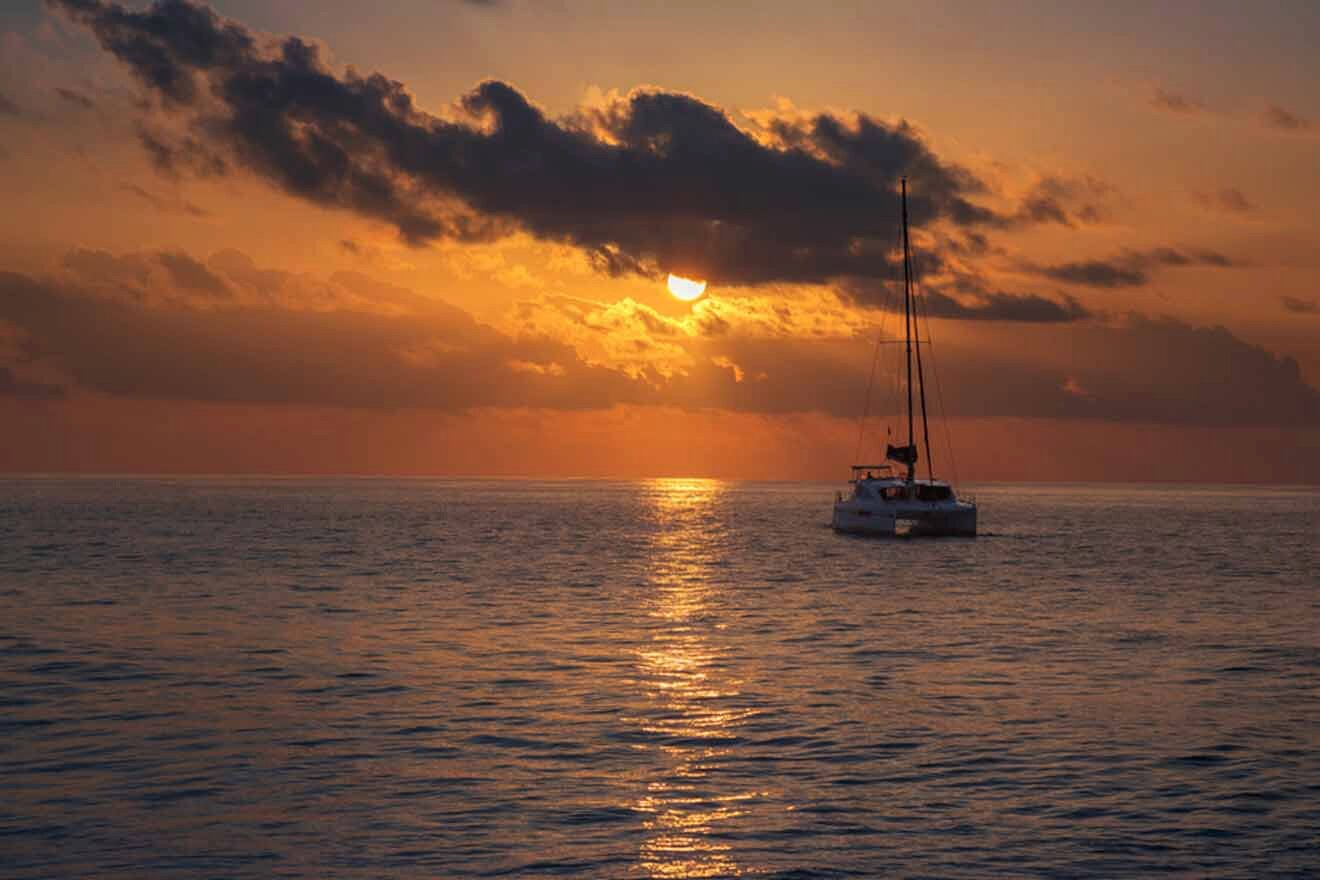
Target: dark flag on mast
902 454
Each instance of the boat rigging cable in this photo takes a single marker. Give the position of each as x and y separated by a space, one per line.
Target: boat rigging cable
885 311
916 309
939 389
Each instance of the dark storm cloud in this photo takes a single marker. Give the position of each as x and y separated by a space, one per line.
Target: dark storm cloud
441 360
999 306
1140 370
1128 269
1283 120
1228 199
165 205
1066 201
174 155
1098 273
1163 370
977 304
189 274
165 44
77 99
1300 306
656 181
12 386
131 274
108 338
1172 102
143 276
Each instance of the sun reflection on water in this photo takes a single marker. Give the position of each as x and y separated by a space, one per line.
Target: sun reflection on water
688 688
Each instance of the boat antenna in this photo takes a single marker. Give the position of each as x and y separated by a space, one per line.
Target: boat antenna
907 336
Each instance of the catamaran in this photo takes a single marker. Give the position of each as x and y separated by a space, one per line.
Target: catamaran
881 498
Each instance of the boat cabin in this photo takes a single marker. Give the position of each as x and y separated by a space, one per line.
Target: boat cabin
879 482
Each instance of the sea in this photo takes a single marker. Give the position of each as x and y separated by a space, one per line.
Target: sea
406 678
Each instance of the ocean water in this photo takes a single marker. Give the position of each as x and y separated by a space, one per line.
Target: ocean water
445 678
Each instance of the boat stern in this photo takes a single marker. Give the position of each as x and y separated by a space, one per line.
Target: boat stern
957 521
862 519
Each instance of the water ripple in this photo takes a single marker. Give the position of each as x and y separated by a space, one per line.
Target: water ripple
414 678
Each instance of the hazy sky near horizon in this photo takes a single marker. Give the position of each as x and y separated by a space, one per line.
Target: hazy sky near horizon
433 236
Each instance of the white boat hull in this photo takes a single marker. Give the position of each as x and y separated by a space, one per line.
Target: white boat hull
927 519
856 519
957 520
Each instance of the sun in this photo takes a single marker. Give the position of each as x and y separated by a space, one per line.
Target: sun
685 288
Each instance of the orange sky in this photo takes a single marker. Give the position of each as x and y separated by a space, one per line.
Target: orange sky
239 253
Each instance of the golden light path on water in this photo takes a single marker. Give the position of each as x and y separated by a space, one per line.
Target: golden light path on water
685 688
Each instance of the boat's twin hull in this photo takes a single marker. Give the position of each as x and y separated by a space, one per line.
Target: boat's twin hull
859 521
955 520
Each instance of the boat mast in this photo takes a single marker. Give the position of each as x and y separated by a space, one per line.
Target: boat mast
921 389
911 330
907 335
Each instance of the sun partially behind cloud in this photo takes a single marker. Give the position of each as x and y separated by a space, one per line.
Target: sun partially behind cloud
686 289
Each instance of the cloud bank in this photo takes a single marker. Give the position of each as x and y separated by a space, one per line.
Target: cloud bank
648 182
1280 119
168 326
1130 268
